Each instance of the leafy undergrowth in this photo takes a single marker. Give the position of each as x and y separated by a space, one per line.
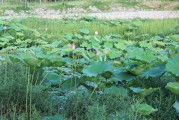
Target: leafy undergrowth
126 75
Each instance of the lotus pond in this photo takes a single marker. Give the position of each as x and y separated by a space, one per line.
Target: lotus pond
91 69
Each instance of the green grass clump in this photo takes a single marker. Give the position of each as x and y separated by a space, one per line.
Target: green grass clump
126 3
80 106
19 94
176 8
102 5
60 6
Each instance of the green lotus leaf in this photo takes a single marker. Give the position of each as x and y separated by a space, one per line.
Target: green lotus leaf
154 71
69 36
121 45
51 78
176 106
138 70
143 92
70 84
140 54
78 36
145 44
14 58
173 65
30 59
95 68
114 54
84 31
144 109
58 63
122 76
108 45
46 62
173 87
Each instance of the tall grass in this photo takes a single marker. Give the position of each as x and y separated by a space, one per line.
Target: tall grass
19 96
60 27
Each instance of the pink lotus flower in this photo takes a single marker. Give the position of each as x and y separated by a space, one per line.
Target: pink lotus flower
73 47
96 33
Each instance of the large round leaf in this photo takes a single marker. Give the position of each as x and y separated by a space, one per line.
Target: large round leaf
122 76
30 60
95 68
84 31
154 71
138 70
51 78
140 54
14 58
71 83
173 65
173 87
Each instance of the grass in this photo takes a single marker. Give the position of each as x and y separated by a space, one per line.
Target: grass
60 6
20 97
77 105
61 27
176 8
126 3
101 5
16 8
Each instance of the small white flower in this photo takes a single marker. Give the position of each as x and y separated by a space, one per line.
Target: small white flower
96 33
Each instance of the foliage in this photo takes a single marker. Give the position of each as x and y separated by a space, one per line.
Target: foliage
114 65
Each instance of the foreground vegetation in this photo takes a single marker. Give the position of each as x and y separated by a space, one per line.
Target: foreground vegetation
89 69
